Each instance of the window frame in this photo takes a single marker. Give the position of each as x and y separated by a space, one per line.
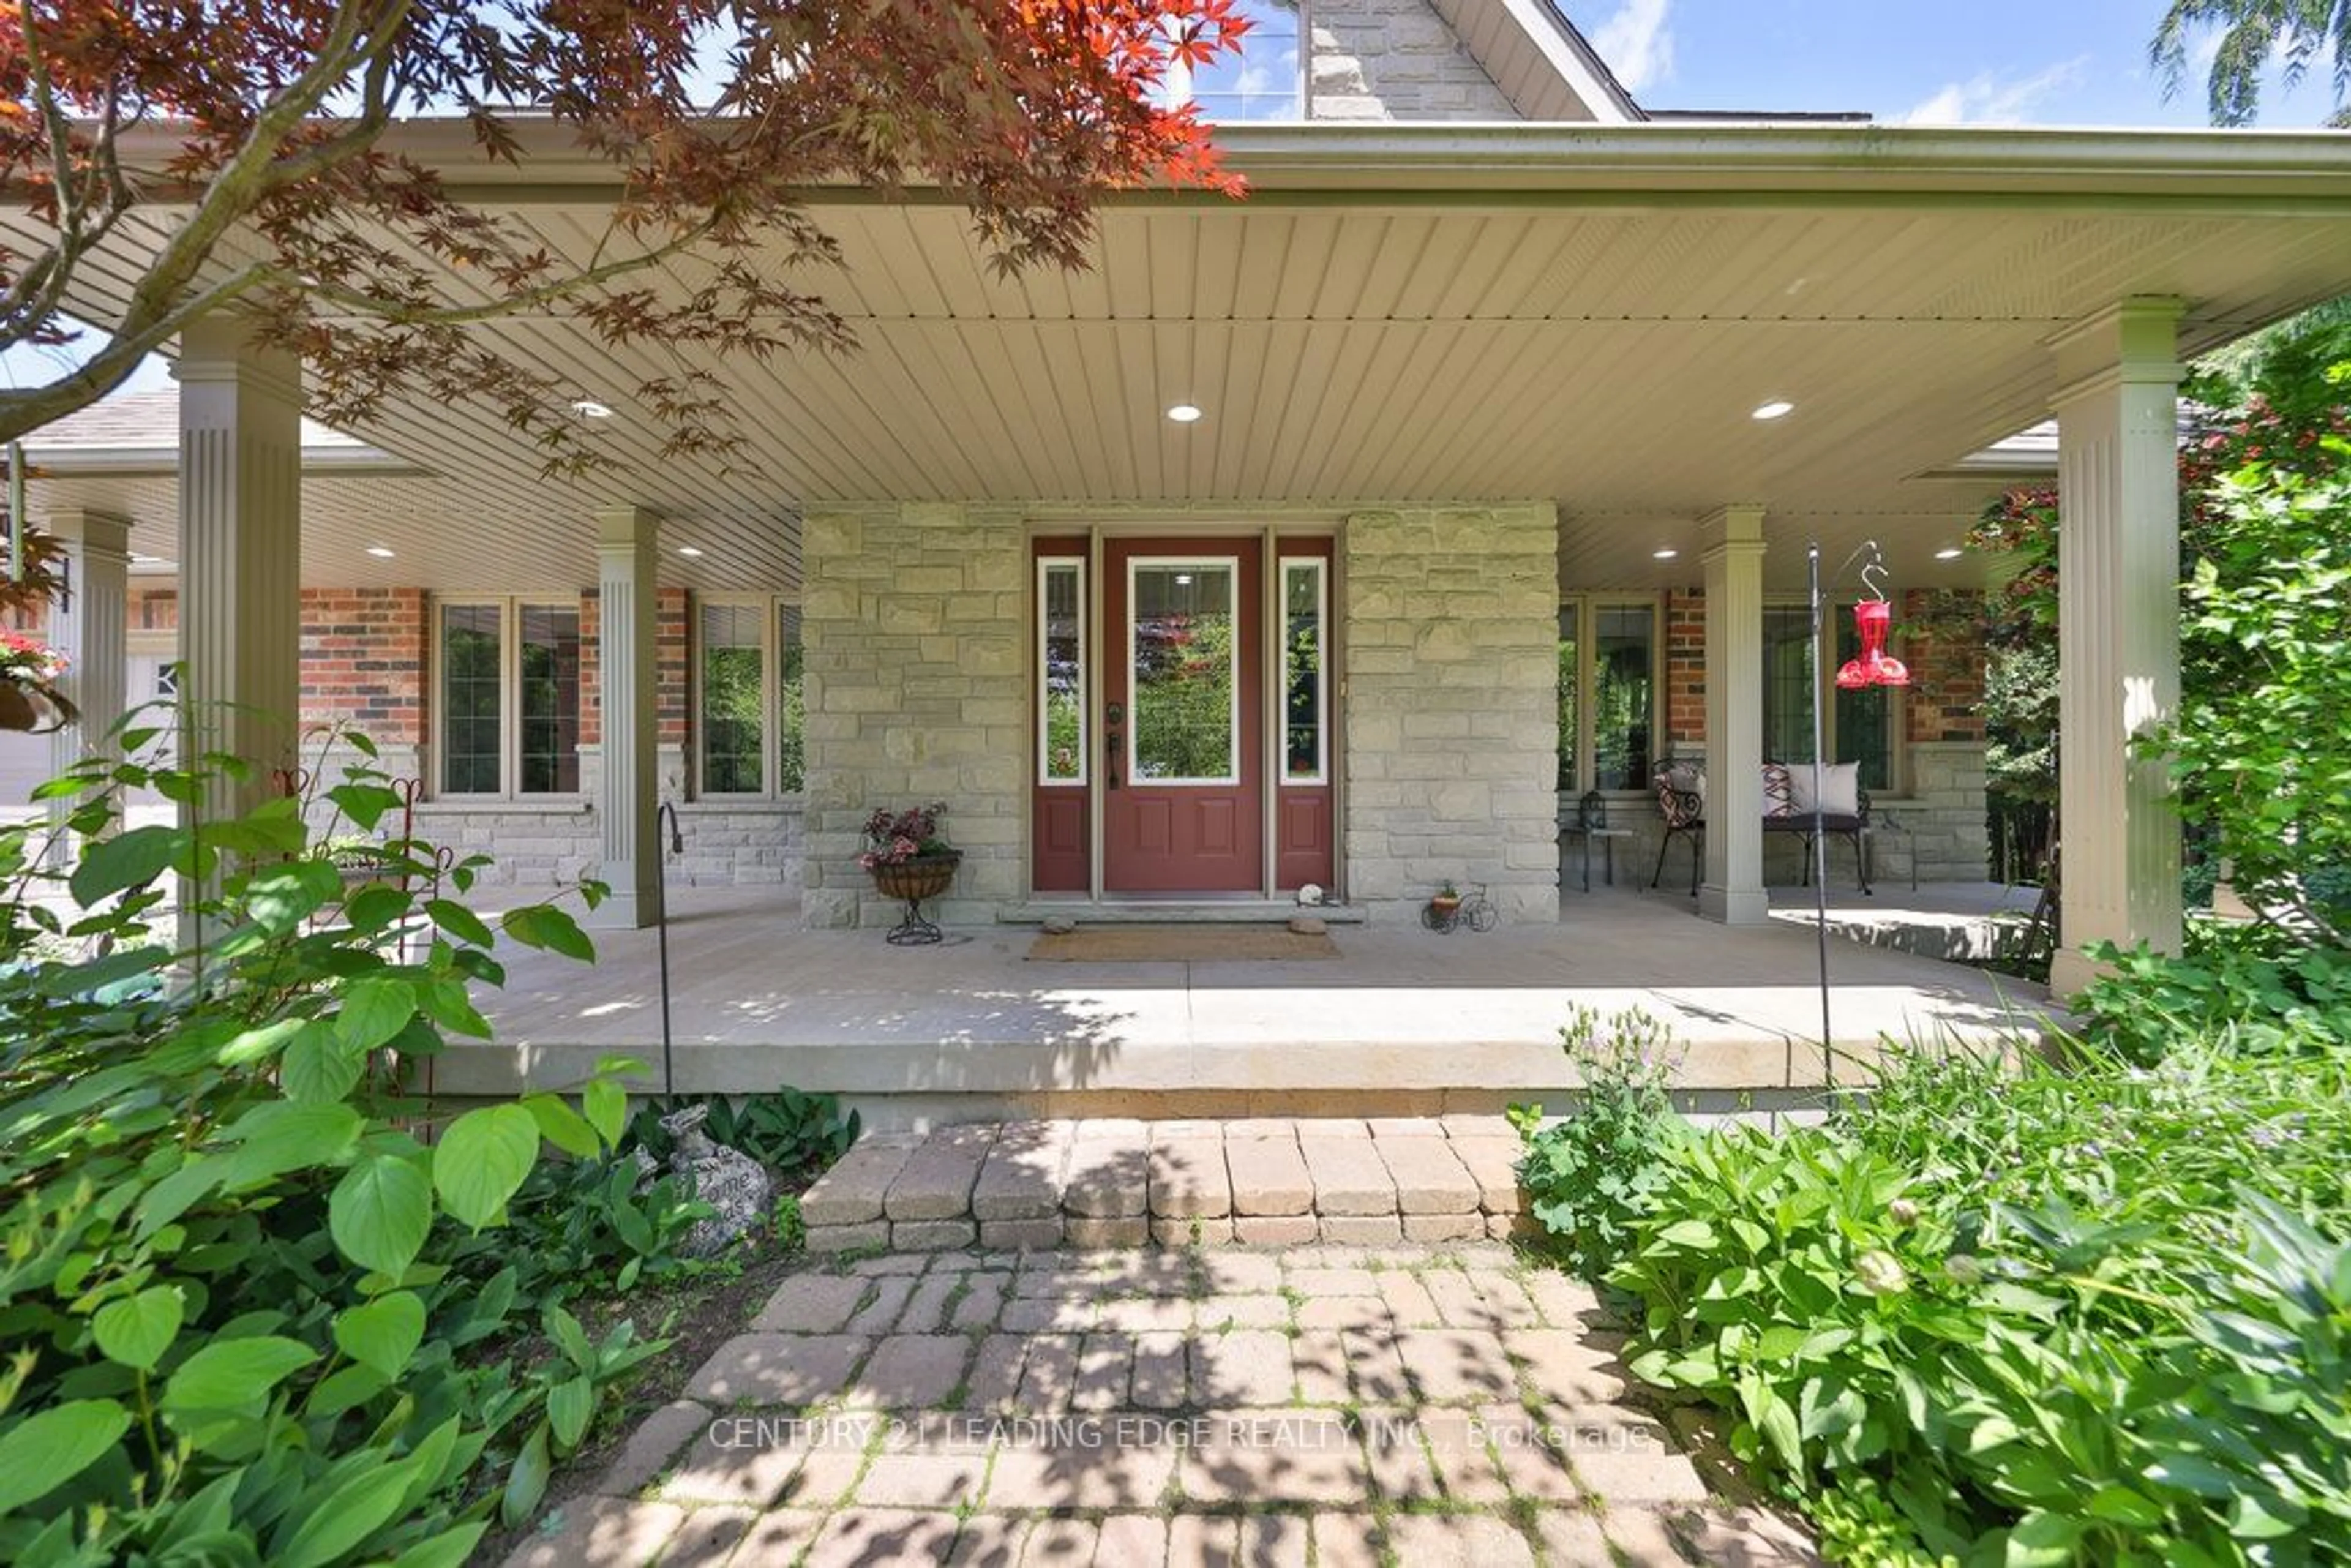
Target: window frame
1175 83
1321 567
1129 639
510 607
1587 606
1046 564
771 608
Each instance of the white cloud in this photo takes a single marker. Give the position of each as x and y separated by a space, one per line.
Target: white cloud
1993 98
1636 44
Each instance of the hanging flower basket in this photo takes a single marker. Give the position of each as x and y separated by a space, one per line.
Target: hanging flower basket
30 708
29 699
918 879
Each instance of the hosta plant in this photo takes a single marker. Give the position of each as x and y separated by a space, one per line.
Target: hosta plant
250 1293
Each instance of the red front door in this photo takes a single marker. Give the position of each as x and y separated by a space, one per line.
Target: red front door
1183 737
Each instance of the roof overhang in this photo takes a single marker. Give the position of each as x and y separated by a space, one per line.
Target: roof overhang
1422 312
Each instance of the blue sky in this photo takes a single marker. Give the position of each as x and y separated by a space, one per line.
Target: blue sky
2020 62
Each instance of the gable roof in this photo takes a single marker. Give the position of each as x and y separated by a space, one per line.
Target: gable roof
1550 71
1547 68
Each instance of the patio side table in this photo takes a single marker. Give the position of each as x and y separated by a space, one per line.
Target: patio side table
1591 822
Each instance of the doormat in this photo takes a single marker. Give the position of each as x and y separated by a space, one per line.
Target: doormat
1179 944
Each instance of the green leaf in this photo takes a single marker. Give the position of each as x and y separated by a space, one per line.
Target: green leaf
375 906
317 1068
460 922
337 1521
569 1337
235 1374
383 1333
606 1106
1690 1233
570 1404
379 1213
483 1159
54 1445
374 1009
560 1124
2042 1540
2124 1506
137 1330
126 860
447 1550
527 1482
281 1137
446 1003
545 925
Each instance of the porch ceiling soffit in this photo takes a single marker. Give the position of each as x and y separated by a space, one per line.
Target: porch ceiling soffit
1588 314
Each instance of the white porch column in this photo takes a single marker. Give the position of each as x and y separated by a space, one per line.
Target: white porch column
240 548
2117 628
1733 889
627 677
89 624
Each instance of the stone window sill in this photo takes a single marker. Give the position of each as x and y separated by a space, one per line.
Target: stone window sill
487 806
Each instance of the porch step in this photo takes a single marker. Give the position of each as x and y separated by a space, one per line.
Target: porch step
1261 1182
1177 912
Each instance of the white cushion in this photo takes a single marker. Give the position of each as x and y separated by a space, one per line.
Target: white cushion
1840 790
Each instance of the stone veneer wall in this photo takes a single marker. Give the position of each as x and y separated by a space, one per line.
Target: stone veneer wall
914 657
1394 59
1450 641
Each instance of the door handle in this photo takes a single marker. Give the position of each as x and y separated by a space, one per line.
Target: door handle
1113 745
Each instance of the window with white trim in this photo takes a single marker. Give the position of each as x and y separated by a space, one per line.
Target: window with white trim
508 714
1265 81
1612 691
749 716
1305 738
1061 669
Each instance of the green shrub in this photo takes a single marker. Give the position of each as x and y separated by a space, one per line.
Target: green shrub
2267 991
258 1304
1588 1176
792 1133
2031 1312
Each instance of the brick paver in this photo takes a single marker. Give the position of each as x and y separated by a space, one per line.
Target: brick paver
1331 1405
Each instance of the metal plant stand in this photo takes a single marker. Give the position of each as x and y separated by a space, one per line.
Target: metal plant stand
918 882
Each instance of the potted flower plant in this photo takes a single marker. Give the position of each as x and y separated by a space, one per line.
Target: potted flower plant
1445 901
29 699
907 854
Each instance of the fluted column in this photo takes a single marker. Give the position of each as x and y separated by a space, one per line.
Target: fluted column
88 622
240 551
626 565
1733 889
2117 628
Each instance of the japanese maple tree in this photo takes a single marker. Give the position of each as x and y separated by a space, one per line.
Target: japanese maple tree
248 154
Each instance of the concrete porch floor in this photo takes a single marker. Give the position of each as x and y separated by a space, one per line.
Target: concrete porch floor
1405 1021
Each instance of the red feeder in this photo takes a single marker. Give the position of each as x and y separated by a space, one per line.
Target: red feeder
1872 618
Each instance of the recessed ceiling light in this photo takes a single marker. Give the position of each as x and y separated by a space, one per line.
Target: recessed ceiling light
1667 554
380 552
587 408
1778 408
690 552
1184 413
1950 552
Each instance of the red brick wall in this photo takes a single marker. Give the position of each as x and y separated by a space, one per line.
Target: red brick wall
670 653
1686 667
363 661
1943 643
